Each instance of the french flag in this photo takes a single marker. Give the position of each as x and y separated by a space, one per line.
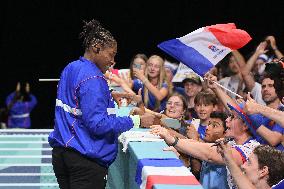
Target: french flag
163 171
203 48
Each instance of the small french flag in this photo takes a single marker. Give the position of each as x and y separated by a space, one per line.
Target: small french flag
203 48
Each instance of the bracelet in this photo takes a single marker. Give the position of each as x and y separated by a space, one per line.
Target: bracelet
275 49
175 142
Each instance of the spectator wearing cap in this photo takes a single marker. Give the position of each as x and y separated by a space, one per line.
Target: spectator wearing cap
263 129
271 90
192 86
237 128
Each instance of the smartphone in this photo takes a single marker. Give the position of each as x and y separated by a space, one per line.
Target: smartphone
137 66
171 123
226 140
195 123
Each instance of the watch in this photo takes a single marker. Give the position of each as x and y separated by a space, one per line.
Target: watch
175 142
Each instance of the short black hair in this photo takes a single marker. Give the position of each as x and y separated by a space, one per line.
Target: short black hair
95 34
220 115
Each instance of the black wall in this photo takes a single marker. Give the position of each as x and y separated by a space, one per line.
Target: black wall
38 38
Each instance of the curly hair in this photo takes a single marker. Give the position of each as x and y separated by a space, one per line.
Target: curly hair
273 159
275 71
95 34
222 116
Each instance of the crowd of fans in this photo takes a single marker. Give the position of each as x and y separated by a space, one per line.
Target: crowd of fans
208 114
253 124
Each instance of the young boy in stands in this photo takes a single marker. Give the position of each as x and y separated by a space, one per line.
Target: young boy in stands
205 103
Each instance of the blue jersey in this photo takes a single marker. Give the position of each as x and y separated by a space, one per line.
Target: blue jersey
137 84
84 118
270 124
280 185
273 126
213 176
179 90
201 130
19 113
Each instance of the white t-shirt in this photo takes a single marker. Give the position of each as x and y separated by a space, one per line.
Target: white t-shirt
231 83
256 93
245 150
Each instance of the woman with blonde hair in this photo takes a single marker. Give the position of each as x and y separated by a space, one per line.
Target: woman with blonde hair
154 83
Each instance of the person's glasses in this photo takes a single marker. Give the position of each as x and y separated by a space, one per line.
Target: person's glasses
233 116
153 66
174 103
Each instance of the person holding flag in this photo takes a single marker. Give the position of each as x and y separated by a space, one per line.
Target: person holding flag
203 48
263 129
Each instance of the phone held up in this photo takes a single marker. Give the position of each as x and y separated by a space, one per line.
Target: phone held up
137 66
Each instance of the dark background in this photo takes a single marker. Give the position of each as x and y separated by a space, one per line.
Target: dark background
38 38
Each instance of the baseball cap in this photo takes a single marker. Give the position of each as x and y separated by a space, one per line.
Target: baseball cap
248 119
192 78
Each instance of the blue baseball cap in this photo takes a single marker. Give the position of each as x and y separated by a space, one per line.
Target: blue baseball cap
246 118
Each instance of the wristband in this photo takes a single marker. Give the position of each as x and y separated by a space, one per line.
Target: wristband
175 142
135 120
257 120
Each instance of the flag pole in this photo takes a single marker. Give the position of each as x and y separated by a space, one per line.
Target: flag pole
227 89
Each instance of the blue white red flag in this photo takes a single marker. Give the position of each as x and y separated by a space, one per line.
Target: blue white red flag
203 48
164 171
